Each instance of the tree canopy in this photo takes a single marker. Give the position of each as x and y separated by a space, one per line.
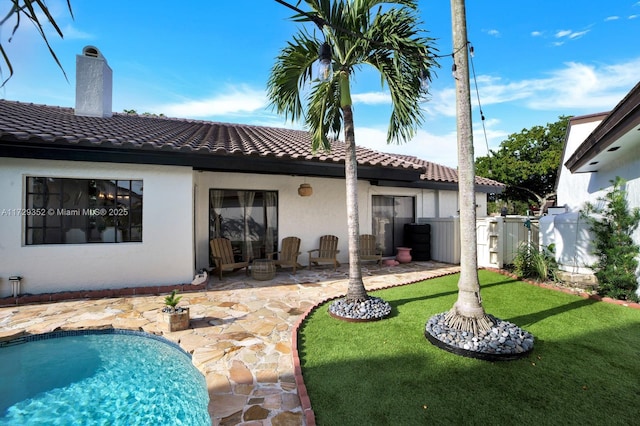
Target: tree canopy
527 162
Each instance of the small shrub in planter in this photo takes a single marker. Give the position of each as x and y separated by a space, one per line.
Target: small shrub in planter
174 317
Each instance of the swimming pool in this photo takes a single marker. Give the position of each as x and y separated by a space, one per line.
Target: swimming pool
111 377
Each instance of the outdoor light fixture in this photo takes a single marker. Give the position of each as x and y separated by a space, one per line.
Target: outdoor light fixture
324 56
15 284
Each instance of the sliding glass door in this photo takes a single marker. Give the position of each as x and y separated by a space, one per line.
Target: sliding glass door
389 214
248 218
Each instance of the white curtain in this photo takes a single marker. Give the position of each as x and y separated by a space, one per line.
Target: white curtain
216 196
246 202
272 220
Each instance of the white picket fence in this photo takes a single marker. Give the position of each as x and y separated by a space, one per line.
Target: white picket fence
498 238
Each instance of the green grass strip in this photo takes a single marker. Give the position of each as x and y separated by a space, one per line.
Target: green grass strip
584 369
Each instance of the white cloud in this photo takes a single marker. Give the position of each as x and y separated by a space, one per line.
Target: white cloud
236 100
536 33
583 86
372 98
563 33
440 149
574 86
611 18
437 148
570 34
72 33
494 33
578 34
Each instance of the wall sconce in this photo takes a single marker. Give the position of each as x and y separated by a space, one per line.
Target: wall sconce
305 190
15 283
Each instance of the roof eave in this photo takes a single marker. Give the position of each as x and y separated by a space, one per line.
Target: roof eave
623 119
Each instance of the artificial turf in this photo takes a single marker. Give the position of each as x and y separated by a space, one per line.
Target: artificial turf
584 368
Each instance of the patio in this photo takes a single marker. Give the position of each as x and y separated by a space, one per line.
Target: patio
240 336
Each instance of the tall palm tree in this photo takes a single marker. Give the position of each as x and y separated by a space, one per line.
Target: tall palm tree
467 313
357 32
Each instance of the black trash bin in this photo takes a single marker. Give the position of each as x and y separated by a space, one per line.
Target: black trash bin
418 237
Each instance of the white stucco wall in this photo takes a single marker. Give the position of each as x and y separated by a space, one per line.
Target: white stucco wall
322 213
574 190
165 255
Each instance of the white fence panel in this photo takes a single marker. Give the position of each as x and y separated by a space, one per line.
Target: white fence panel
498 238
445 239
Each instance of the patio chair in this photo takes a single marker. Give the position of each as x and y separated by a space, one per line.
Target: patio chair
288 254
369 249
223 258
326 253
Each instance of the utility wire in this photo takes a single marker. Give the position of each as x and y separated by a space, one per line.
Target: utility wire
475 82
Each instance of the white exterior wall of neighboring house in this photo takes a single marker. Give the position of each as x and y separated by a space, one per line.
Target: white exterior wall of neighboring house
570 231
574 189
165 255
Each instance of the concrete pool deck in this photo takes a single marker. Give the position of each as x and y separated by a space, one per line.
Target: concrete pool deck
241 335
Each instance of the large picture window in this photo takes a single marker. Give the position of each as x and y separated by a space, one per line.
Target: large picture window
248 218
77 211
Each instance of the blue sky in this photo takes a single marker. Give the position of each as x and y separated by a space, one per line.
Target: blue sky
211 60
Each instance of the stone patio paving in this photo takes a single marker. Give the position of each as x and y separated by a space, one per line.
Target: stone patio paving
240 335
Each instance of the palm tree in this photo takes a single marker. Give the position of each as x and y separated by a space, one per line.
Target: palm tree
34 11
355 33
467 313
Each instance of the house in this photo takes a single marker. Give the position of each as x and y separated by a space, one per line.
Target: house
91 199
598 148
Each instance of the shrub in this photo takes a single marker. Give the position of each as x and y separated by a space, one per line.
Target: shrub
530 262
613 223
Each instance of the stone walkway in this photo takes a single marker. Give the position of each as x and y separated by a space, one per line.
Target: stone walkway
240 335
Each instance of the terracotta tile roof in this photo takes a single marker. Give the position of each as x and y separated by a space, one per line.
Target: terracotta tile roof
439 173
43 126
59 126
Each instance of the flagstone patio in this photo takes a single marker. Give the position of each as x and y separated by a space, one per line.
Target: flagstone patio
240 334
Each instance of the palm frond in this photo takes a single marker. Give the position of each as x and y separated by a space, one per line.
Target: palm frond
29 9
292 71
383 34
324 117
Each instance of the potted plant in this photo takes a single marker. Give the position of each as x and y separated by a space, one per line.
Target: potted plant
174 317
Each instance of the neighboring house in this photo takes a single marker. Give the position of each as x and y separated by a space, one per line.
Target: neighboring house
90 199
598 148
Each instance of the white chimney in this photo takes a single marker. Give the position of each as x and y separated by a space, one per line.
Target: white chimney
93 84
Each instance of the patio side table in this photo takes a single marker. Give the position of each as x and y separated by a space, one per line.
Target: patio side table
263 269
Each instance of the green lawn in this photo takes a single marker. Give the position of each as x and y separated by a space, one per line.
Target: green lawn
584 369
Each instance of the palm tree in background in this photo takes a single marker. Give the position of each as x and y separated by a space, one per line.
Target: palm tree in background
380 34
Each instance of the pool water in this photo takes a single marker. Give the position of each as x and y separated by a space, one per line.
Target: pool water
106 379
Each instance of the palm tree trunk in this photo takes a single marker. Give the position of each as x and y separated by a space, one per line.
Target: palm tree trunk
355 288
467 313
